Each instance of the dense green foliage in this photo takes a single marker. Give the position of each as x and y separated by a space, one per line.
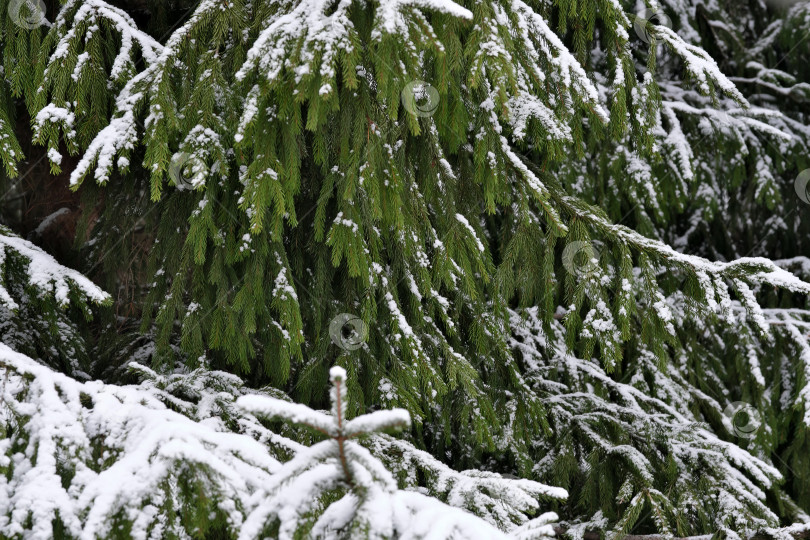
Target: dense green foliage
248 171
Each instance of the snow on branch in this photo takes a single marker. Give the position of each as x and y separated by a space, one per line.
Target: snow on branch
87 15
533 28
95 454
663 412
121 136
366 497
524 107
45 274
735 118
802 341
796 531
502 501
78 64
96 457
292 412
321 30
209 397
754 269
700 65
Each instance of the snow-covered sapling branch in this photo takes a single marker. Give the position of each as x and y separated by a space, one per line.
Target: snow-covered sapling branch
337 489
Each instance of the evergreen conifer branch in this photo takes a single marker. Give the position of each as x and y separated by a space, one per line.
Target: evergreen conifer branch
45 275
528 254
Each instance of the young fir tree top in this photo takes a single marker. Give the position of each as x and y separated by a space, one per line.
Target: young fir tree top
452 173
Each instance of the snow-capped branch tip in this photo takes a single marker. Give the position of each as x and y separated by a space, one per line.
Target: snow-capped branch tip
338 394
337 375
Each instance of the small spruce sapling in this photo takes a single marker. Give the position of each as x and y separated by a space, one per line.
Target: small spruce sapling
337 489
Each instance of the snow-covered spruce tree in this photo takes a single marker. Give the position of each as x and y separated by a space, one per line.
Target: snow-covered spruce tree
293 167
